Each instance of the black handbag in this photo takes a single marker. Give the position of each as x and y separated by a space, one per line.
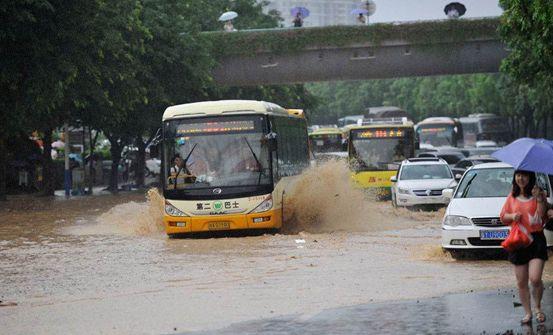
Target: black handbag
549 224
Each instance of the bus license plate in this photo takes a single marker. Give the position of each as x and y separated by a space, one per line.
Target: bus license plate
218 225
493 234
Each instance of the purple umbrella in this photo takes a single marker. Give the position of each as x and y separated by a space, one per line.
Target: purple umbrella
528 154
358 11
304 12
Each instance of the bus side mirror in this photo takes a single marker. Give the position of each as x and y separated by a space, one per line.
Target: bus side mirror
273 144
271 140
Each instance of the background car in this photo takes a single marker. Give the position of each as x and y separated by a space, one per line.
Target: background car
420 181
465 163
471 220
479 151
450 155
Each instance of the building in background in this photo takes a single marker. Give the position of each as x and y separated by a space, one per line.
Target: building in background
322 12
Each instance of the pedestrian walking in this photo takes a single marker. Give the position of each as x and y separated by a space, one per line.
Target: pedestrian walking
229 26
526 207
298 20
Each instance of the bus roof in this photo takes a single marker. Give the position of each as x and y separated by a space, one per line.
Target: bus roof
385 112
324 131
477 117
224 107
436 120
407 124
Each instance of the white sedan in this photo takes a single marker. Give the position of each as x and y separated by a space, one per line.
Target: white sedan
471 220
420 181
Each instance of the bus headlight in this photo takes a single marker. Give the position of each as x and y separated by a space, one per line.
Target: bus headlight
264 206
172 210
455 220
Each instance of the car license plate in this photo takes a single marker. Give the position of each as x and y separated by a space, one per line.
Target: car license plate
319 143
493 234
218 225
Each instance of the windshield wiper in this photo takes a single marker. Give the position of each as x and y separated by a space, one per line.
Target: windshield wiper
184 166
256 160
466 190
187 157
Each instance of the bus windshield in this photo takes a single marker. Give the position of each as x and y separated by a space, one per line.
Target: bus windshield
380 149
437 135
326 142
216 153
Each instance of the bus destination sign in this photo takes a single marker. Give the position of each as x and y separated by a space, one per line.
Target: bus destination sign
216 127
380 133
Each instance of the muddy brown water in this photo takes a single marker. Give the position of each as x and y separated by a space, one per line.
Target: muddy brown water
102 264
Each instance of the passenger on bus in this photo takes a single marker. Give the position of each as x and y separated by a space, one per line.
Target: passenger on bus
178 172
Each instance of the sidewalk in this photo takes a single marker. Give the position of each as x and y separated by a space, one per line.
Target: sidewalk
490 312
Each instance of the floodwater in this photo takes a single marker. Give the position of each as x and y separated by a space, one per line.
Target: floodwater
102 264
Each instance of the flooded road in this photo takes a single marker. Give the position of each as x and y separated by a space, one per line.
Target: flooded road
103 265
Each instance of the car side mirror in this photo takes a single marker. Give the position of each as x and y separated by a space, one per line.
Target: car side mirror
458 176
448 193
393 179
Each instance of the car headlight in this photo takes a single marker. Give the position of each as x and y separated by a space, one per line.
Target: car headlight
172 210
403 190
456 220
264 206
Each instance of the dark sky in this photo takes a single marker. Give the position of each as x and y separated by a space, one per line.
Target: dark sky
413 10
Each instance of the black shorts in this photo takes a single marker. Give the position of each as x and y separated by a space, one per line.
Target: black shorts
538 249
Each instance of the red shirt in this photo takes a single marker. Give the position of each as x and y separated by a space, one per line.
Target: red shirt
529 217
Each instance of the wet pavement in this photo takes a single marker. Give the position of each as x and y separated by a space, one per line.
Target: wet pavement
488 312
103 265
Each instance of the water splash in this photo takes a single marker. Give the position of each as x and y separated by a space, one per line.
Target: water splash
324 199
133 218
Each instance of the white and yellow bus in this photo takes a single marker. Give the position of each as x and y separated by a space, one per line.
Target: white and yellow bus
227 164
376 147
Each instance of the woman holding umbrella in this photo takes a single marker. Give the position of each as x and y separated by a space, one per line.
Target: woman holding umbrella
526 207
299 13
227 17
298 21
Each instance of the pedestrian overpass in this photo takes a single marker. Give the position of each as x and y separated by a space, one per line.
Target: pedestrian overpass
391 50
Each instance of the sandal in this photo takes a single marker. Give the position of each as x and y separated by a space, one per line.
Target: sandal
527 319
540 317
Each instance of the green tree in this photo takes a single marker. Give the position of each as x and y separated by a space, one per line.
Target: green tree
526 29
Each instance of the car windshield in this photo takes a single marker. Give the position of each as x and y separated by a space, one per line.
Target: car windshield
482 183
425 171
216 152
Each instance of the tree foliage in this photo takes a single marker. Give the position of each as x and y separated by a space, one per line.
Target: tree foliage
113 67
454 96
